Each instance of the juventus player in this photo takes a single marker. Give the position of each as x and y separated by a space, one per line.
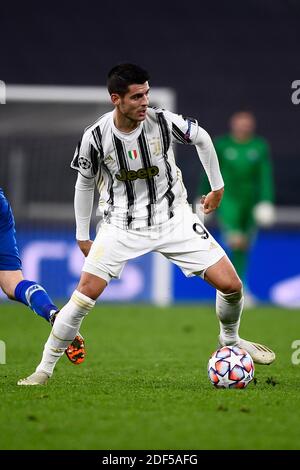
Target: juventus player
128 154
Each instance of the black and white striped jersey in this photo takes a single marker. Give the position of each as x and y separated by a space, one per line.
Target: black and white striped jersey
136 173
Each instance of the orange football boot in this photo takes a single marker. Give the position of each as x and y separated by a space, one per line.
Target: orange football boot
76 350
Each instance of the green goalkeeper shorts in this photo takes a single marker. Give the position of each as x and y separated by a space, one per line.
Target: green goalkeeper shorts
236 217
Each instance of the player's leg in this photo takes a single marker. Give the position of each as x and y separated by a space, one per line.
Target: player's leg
27 292
66 326
231 216
11 278
196 252
238 229
106 259
239 245
35 296
22 290
68 322
229 307
229 299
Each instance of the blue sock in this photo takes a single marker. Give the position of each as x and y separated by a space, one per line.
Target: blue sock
34 296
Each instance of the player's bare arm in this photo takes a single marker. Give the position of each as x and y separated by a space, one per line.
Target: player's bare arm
85 246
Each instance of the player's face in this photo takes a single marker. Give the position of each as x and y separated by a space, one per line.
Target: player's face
242 125
133 105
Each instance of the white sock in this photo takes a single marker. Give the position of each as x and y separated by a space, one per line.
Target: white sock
229 308
64 330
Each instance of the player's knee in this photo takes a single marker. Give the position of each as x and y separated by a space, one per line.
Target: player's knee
91 287
238 242
9 281
88 290
231 297
233 286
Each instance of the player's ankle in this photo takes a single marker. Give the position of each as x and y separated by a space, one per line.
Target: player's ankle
228 340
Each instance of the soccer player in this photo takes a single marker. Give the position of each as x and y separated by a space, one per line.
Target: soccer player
27 292
128 154
248 200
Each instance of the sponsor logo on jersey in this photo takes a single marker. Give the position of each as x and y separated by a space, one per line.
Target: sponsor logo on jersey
132 154
142 173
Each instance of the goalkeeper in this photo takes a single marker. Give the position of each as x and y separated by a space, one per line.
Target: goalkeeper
248 200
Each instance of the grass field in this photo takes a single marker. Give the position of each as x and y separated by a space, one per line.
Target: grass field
144 383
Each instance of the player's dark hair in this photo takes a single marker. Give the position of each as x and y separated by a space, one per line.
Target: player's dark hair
122 76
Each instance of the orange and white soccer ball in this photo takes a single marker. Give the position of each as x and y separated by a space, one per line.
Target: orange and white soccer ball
230 367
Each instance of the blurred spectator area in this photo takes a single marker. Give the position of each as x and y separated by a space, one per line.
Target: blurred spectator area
39 130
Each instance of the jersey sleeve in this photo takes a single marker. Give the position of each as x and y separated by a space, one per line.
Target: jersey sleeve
86 157
184 129
83 206
204 185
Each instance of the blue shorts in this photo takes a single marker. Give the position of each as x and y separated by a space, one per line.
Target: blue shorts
9 253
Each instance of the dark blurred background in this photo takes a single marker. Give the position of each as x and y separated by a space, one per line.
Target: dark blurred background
218 56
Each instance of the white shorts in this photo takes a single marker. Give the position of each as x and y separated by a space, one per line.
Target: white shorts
183 240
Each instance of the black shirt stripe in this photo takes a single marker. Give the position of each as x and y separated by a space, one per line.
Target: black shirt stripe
146 160
180 136
121 156
166 141
98 141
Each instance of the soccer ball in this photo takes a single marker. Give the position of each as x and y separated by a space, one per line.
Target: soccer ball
230 367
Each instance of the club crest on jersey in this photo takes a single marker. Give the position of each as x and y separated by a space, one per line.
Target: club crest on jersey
155 146
132 154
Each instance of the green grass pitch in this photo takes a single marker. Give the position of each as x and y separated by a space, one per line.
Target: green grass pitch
144 383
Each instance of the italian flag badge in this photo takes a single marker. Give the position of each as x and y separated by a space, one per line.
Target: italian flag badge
132 154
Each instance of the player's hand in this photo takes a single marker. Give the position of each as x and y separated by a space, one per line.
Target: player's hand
85 246
212 200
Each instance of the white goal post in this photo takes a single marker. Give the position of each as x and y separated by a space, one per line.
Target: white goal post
164 97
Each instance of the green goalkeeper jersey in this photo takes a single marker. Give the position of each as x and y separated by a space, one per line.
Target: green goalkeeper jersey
247 174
